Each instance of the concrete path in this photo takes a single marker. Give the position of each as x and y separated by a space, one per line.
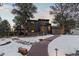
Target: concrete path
41 48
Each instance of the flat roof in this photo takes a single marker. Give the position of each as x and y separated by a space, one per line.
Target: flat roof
39 20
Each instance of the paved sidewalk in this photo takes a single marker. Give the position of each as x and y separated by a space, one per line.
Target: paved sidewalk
41 48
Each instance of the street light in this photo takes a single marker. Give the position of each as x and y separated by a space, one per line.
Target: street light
56 51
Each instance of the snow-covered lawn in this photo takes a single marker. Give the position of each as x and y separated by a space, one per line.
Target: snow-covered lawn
66 44
11 49
35 39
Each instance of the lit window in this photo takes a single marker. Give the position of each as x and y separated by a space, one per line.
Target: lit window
32 31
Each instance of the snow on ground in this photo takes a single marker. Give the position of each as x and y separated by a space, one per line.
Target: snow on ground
11 49
75 31
66 44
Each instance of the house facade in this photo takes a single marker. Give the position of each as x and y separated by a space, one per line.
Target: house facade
39 26
36 27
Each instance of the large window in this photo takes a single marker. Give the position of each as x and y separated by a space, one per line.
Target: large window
32 27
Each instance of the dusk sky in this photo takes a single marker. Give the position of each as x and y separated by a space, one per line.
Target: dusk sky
42 12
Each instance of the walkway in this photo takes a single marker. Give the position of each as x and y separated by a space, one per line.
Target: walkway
41 48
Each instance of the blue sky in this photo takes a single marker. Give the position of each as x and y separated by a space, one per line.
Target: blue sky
5 11
43 6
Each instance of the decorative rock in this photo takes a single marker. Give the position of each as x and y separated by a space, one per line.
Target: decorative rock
23 51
